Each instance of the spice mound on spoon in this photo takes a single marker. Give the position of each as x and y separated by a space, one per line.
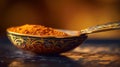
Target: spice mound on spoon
37 30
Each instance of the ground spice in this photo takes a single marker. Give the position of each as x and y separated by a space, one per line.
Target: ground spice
37 30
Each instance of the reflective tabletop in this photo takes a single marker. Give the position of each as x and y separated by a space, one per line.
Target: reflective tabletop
92 53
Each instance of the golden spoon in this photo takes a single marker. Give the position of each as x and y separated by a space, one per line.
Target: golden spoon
56 44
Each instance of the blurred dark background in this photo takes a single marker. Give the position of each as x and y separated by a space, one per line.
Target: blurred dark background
64 14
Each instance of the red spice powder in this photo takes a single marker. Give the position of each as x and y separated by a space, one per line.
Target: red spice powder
37 30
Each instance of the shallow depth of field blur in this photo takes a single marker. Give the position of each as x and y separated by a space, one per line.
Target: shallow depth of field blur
64 14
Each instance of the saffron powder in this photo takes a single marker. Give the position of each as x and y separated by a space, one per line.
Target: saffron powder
37 30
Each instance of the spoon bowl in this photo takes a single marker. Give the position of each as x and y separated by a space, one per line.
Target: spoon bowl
46 44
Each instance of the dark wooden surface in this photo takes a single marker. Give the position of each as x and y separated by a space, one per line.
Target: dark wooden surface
92 53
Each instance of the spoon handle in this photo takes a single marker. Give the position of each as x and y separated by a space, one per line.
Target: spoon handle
101 28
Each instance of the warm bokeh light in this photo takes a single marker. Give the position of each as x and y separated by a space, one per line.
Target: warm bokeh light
65 14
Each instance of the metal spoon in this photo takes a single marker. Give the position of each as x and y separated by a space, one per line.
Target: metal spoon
54 44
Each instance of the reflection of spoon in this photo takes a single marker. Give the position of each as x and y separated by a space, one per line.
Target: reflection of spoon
44 61
53 44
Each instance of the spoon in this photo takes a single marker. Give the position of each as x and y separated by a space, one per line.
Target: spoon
54 44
